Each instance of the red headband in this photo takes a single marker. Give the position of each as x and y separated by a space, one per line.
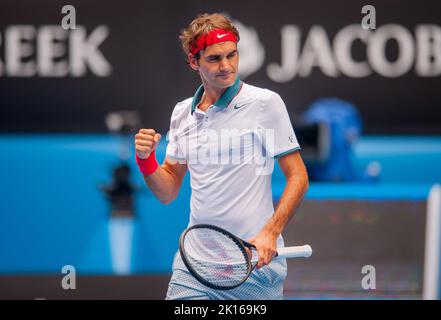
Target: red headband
214 36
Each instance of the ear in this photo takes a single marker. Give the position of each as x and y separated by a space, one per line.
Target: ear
193 62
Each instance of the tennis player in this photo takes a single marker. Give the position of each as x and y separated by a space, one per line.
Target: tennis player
232 192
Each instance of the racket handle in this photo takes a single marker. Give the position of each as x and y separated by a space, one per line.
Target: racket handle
295 252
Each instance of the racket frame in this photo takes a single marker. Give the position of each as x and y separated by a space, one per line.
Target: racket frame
241 244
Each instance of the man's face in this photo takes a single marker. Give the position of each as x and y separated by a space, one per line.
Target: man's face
218 64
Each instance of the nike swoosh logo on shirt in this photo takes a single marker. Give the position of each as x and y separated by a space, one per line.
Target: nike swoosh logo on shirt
238 107
220 36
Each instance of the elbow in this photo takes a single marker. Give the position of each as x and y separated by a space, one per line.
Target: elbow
306 178
305 181
302 181
168 200
305 186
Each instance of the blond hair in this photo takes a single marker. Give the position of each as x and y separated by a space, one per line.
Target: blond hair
203 24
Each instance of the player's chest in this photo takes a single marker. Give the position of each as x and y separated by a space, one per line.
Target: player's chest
217 138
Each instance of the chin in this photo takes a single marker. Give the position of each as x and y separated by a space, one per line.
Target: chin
227 82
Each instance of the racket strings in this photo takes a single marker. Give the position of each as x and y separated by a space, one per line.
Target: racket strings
215 257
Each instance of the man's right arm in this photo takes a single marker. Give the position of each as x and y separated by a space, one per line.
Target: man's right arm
166 179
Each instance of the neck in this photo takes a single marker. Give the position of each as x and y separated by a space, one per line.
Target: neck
211 94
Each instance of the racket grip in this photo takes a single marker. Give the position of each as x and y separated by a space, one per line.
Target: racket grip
295 252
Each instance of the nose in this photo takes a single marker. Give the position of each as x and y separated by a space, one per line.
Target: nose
224 66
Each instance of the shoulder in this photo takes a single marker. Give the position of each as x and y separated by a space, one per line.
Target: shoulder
181 109
180 113
265 96
271 106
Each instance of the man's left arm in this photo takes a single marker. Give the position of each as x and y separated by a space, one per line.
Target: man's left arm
296 186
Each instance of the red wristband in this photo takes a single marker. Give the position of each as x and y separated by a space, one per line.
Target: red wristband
147 166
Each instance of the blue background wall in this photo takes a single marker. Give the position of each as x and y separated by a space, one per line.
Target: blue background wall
52 212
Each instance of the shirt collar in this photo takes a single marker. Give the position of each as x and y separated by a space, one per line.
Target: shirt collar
223 101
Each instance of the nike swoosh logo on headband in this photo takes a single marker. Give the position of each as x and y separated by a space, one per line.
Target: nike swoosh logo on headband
220 36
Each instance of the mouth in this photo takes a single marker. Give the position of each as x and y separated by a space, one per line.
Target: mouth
226 75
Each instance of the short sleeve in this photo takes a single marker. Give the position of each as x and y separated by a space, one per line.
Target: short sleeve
276 132
173 150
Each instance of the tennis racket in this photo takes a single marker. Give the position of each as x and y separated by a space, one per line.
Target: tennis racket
220 260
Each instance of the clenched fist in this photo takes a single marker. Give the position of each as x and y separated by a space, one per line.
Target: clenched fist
145 142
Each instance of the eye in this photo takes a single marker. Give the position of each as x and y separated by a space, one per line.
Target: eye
232 54
212 58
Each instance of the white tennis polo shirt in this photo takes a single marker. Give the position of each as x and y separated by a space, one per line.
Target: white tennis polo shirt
230 151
